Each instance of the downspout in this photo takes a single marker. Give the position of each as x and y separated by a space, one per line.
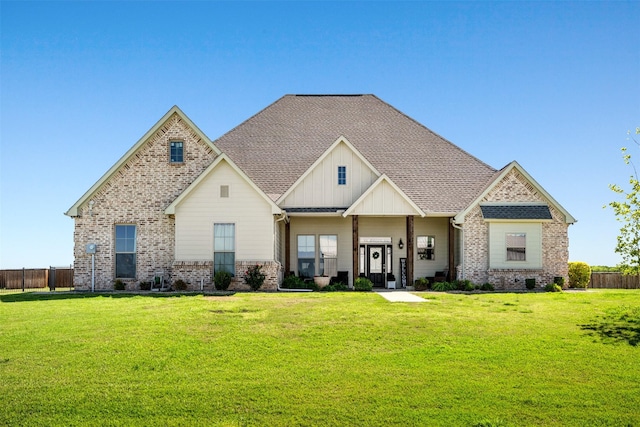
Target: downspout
284 218
456 226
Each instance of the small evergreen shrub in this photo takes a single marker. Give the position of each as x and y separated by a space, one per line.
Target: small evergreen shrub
422 284
487 287
145 286
530 283
552 287
579 274
222 280
559 280
254 277
362 284
119 285
180 285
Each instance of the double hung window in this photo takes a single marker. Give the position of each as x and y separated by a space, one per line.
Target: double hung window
224 247
516 246
125 251
306 256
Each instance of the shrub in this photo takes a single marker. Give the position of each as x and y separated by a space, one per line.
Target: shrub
180 285
254 277
552 287
422 284
336 287
487 287
530 283
145 286
468 286
362 284
222 280
119 285
294 282
443 286
559 280
579 274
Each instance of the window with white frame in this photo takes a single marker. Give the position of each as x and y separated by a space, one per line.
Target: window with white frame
176 152
516 246
426 247
342 175
329 255
224 246
125 251
306 256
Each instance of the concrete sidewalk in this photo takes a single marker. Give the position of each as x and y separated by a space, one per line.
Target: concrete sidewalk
400 296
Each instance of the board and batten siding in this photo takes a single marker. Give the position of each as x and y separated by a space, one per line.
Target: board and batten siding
320 187
197 213
498 245
384 200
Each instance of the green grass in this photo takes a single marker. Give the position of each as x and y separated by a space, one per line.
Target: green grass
568 359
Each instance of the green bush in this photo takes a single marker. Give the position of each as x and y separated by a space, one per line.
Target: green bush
145 286
443 286
559 280
530 283
552 287
180 285
468 286
579 274
254 277
294 282
421 284
222 280
487 287
119 285
362 284
336 287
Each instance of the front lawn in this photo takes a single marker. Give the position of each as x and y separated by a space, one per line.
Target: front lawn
569 359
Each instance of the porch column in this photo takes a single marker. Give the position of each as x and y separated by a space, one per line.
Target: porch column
452 267
356 247
409 250
287 248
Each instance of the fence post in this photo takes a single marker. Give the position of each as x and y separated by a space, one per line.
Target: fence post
22 279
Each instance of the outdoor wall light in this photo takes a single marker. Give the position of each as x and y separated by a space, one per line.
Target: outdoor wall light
400 244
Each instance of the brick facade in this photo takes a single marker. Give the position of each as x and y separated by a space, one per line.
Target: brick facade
555 242
137 194
199 275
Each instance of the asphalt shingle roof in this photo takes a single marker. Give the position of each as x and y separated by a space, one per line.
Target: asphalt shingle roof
516 212
278 144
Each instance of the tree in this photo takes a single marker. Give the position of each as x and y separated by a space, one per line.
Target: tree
628 213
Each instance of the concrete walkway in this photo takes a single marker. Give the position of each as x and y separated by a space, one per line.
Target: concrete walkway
400 296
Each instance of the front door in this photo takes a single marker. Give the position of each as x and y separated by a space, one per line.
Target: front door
375 267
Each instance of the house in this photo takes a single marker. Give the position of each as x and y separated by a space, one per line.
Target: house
336 185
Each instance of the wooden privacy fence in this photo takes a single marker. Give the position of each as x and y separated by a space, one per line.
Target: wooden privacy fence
36 278
602 280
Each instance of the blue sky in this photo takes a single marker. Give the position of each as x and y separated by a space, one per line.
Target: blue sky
553 85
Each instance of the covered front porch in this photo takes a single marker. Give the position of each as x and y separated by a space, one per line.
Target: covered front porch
391 250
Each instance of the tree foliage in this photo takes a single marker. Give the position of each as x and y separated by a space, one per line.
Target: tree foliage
627 212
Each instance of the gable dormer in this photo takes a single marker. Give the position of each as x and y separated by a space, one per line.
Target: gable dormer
336 179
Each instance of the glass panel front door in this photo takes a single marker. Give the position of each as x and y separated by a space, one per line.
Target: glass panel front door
376 265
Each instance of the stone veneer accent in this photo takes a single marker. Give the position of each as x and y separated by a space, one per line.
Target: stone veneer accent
555 241
137 194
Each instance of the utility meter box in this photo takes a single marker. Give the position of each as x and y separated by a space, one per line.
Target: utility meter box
91 248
